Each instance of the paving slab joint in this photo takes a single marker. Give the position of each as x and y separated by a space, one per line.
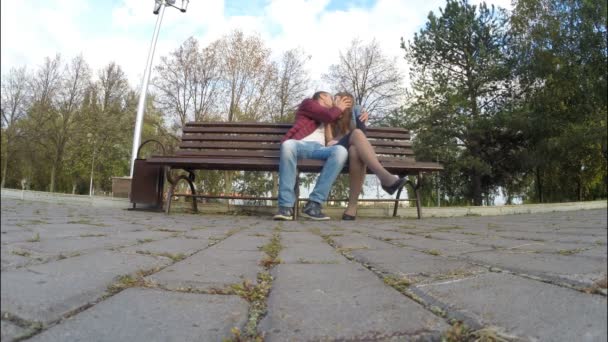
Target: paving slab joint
597 288
456 319
257 294
31 328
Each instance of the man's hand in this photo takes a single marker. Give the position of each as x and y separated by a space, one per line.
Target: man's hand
364 115
343 102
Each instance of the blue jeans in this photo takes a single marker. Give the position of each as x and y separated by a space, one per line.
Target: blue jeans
291 150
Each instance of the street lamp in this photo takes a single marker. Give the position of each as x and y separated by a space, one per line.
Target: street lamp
159 8
91 138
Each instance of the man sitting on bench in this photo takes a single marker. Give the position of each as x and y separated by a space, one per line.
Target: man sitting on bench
306 140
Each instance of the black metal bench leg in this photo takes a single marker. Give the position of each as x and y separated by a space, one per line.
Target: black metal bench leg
416 188
296 206
397 202
417 192
172 183
190 180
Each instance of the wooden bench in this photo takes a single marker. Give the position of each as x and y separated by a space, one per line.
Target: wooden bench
256 147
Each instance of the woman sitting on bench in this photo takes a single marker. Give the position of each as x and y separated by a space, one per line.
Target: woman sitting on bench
349 131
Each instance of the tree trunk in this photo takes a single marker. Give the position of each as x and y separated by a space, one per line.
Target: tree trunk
539 186
4 169
476 187
53 170
275 184
477 195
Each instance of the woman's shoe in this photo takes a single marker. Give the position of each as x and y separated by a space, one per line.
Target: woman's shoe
346 217
397 185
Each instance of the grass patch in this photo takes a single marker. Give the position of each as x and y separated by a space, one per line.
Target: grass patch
256 294
144 240
272 250
458 332
92 235
168 230
37 222
136 280
35 238
21 253
570 251
432 252
398 283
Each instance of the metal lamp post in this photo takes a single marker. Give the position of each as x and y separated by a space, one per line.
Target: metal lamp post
159 9
91 138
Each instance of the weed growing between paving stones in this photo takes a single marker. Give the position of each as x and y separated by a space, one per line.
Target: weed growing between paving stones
92 235
398 283
21 253
256 294
31 328
571 251
35 238
136 280
460 332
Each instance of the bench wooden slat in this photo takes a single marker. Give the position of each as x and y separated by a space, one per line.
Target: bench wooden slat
214 133
232 137
239 130
228 145
278 126
275 139
228 154
272 164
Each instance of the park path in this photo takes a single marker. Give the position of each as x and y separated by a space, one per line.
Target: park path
78 273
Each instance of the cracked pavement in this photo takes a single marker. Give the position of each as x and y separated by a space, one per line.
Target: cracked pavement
78 273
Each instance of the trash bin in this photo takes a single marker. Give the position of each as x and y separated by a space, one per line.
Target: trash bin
148 182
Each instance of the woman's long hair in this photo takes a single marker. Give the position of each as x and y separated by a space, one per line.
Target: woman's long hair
342 125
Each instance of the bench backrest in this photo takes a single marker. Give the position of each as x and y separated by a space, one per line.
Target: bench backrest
255 140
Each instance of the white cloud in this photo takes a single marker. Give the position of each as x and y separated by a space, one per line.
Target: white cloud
31 31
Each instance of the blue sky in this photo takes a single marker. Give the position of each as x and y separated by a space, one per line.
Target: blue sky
121 30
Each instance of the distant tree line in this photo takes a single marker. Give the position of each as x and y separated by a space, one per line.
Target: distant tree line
509 102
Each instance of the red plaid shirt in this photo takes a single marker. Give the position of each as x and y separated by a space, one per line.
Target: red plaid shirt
308 117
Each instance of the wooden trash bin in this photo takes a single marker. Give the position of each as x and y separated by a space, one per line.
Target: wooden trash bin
148 182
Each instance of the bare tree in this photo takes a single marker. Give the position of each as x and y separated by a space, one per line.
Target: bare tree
187 82
291 84
74 84
247 75
371 76
46 83
15 101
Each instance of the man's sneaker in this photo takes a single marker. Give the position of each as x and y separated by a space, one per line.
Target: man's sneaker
312 210
284 214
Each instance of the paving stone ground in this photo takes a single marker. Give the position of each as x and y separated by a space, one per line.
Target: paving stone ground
79 273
